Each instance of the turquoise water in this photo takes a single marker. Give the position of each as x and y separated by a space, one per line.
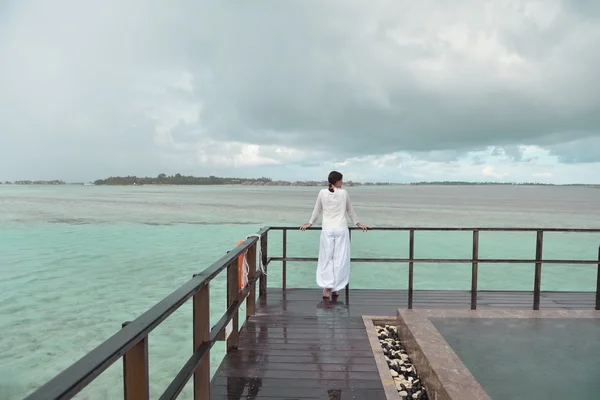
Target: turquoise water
76 262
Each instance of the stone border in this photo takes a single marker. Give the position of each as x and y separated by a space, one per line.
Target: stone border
500 313
443 373
441 370
389 386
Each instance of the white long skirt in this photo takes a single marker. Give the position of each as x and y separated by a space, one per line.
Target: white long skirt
333 267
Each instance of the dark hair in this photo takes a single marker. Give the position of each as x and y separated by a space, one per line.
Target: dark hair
333 178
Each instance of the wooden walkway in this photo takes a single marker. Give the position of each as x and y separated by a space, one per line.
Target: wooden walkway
298 346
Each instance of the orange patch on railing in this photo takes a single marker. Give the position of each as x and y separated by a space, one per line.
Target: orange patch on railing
241 280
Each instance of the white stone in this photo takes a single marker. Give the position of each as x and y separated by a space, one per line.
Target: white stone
394 373
403 393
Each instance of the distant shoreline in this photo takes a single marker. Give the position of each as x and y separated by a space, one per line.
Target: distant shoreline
180 180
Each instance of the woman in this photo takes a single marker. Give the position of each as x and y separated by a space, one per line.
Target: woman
333 268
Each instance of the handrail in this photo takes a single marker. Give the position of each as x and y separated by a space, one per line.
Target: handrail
444 260
474 260
454 229
76 377
192 364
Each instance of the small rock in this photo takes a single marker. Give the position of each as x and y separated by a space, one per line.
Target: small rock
403 373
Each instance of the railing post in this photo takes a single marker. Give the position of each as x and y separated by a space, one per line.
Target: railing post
537 281
136 383
251 299
411 267
474 269
264 247
598 282
347 289
284 263
232 296
201 322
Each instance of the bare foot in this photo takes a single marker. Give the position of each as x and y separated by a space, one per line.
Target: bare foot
335 294
326 293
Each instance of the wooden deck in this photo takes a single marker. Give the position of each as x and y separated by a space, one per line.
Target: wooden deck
299 347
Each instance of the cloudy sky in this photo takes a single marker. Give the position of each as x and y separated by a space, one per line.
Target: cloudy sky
382 90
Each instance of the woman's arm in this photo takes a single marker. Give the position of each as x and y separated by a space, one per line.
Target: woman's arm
350 210
317 210
352 214
315 214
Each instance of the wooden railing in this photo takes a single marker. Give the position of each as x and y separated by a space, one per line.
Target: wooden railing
131 342
474 260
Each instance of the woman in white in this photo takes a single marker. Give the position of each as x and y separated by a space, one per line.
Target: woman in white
333 268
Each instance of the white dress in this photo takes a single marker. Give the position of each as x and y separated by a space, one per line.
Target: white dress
333 267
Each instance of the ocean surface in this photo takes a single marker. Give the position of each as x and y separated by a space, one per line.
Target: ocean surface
78 261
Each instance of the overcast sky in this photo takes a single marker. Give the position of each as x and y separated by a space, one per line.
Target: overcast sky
381 90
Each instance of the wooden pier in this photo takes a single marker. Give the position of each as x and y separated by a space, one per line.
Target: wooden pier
293 344
299 346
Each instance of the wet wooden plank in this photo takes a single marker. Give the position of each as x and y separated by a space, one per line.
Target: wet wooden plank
305 367
283 384
315 361
285 374
302 395
221 392
299 346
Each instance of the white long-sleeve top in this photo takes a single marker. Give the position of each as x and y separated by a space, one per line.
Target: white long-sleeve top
334 207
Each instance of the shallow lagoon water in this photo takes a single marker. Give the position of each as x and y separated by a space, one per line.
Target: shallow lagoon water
77 261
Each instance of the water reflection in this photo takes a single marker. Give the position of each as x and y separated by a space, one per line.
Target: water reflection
319 338
331 315
243 388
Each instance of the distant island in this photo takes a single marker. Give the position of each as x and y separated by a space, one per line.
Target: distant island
54 182
178 180
460 183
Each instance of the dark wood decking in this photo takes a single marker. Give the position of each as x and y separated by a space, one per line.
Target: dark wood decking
300 347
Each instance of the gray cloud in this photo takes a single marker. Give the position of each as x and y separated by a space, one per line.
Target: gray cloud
581 151
136 86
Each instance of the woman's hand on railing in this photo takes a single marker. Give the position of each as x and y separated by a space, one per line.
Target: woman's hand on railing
363 227
303 227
